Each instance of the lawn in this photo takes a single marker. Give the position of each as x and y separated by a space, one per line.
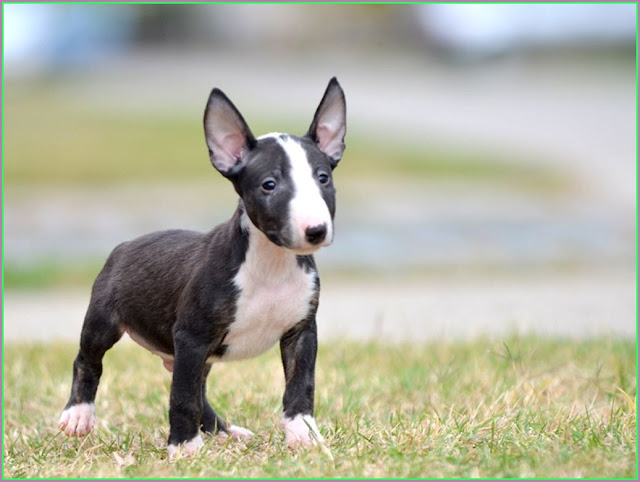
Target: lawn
520 407
81 144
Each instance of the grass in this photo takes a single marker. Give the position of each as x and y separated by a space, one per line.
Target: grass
58 139
521 407
52 274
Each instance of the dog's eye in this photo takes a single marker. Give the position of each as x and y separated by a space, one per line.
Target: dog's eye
269 185
323 177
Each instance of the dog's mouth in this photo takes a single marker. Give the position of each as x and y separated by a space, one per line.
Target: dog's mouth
305 251
304 247
275 237
300 249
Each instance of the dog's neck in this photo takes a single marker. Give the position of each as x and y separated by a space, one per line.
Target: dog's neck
264 259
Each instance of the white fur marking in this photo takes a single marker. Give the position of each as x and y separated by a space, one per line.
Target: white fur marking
78 420
274 295
190 447
301 431
307 208
273 135
236 432
239 432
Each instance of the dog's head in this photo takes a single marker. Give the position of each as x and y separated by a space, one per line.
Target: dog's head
285 181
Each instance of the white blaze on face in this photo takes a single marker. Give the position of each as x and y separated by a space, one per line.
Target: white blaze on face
307 208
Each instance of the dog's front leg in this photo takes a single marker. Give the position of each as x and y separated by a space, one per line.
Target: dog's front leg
298 349
185 404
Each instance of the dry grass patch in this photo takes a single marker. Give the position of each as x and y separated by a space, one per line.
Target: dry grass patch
523 407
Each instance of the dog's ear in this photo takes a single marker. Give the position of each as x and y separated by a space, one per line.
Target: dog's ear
330 122
227 134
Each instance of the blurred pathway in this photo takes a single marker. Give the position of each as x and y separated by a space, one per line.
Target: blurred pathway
411 310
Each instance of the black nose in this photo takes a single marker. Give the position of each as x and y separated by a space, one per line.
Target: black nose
316 234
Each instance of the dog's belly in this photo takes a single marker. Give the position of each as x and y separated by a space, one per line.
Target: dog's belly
266 310
167 358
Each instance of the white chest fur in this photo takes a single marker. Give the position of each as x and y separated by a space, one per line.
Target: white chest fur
275 294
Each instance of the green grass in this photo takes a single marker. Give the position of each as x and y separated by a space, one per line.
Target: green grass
53 139
47 274
524 407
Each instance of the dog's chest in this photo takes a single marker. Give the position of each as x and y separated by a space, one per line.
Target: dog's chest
270 302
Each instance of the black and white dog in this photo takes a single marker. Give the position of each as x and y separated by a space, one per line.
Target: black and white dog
195 299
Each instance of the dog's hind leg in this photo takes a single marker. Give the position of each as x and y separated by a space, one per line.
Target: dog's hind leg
99 333
210 422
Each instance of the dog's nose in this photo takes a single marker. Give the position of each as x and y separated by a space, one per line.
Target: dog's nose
316 234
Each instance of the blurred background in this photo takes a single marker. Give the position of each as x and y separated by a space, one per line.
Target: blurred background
488 186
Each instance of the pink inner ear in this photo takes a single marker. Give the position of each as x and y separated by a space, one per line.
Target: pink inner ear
227 149
232 145
325 136
329 140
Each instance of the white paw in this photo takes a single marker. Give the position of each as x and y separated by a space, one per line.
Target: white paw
78 420
236 432
301 431
188 448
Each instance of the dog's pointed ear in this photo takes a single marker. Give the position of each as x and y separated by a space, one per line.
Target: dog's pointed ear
330 122
227 134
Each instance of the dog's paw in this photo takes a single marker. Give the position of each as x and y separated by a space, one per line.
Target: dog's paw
188 448
239 432
236 432
301 431
78 420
